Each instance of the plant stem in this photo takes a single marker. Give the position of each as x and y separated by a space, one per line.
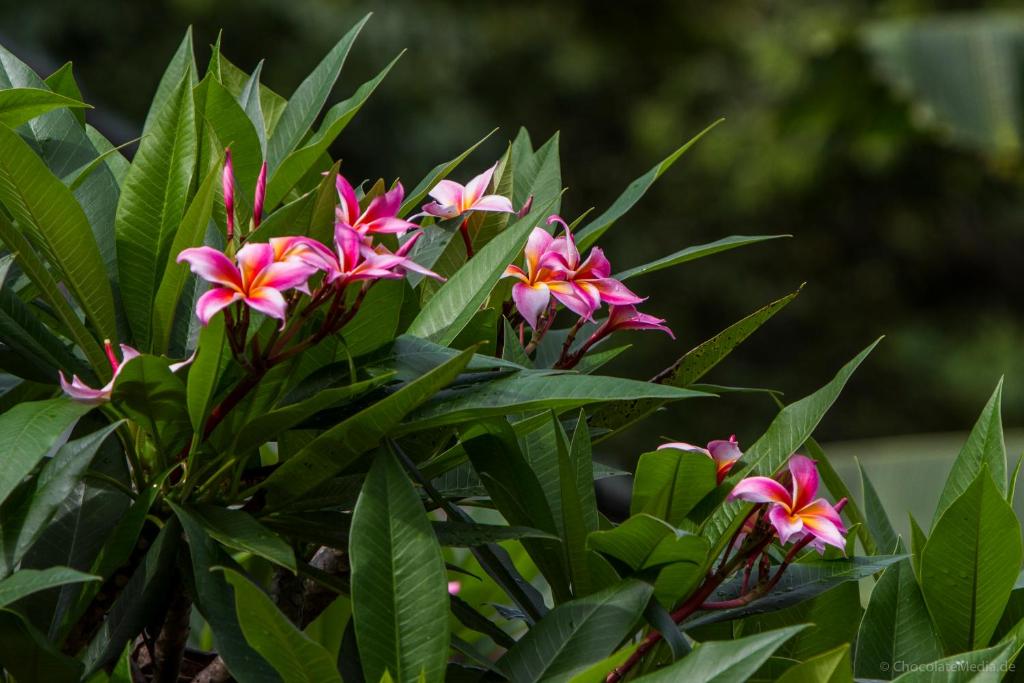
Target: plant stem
466 239
169 648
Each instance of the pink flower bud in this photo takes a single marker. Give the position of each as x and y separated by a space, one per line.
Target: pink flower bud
228 181
261 195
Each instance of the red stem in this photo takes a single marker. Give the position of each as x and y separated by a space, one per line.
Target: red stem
466 239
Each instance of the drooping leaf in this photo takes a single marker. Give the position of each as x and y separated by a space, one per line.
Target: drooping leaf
970 563
577 634
296 657
27 581
399 583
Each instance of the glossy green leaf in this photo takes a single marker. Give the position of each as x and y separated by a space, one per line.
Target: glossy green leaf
307 100
970 563
27 581
877 521
36 352
233 129
399 583
152 204
856 518
984 447
464 535
271 104
205 371
182 63
238 530
536 390
298 162
918 540
28 432
577 634
296 657
643 541
62 81
692 366
154 398
537 173
42 204
670 482
592 231
454 305
694 253
978 666
18 105
829 667
725 661
790 428
337 448
896 626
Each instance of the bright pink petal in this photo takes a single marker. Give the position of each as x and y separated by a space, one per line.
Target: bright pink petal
805 480
628 318
284 275
440 210
127 353
384 206
531 301
261 195
596 266
454 587
387 225
349 244
348 209
267 301
252 259
77 390
573 297
228 186
448 194
761 490
822 508
725 451
493 202
786 525
212 266
476 187
516 272
615 293
536 245
213 301
824 530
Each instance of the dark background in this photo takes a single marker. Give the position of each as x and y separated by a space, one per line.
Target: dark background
896 231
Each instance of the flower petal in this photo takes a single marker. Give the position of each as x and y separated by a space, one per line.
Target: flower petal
805 480
596 266
761 490
476 187
574 298
252 259
348 210
683 446
284 275
531 300
77 390
493 202
213 301
267 301
212 266
615 293
822 508
536 245
448 194
785 524
824 530
440 210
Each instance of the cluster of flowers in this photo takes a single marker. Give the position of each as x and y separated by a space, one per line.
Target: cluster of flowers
795 513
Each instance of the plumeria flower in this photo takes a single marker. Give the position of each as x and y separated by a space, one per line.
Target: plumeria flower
588 282
724 452
380 215
355 260
532 294
407 263
628 318
796 513
452 199
228 185
454 587
79 391
258 280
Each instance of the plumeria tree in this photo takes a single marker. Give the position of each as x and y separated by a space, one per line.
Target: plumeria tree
266 420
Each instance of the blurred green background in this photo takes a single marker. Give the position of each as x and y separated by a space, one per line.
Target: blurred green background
904 224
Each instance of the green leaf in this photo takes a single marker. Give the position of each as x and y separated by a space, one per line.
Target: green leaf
182 63
215 601
399 583
296 657
877 521
18 105
984 447
264 428
536 174
577 634
979 666
337 448
237 530
43 205
233 129
643 542
295 166
465 535
154 398
308 98
27 581
670 482
205 372
27 655
22 524
37 352
689 368
592 231
896 626
28 432
436 175
837 487
458 300
725 661
62 81
189 234
918 540
152 205
790 428
970 563
829 667
535 390
694 253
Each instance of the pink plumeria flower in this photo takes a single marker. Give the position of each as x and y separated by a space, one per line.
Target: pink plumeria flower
380 215
532 294
77 390
796 513
258 280
452 199
454 587
588 283
724 452
628 318
355 260
407 263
